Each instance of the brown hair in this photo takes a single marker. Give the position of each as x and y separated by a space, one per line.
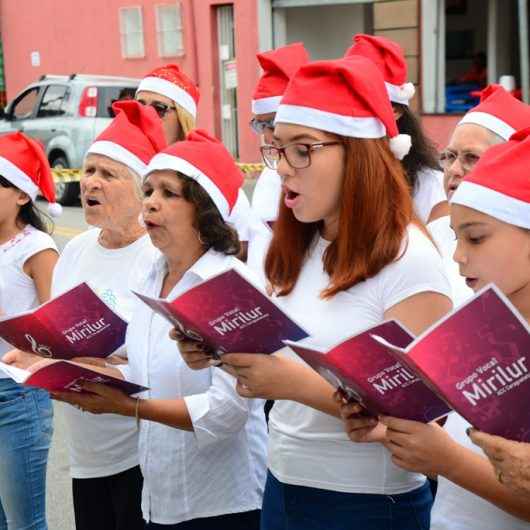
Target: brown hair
375 210
214 232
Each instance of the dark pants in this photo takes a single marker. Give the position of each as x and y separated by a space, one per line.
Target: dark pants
109 503
232 521
287 507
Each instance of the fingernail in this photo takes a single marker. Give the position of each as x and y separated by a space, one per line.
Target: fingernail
215 362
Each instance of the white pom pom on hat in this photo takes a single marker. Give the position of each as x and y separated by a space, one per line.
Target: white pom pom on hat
400 145
55 209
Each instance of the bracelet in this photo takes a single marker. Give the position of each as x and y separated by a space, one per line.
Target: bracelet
137 412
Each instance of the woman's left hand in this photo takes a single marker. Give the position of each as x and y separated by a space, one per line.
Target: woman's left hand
419 447
510 459
99 399
262 376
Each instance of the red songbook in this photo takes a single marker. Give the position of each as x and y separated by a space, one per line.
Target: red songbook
229 315
75 324
476 359
63 376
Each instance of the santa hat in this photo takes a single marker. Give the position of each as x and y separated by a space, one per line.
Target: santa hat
134 136
499 112
390 59
278 66
205 160
172 82
499 184
347 97
23 162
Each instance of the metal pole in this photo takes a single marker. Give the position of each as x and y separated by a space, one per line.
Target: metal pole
492 41
523 47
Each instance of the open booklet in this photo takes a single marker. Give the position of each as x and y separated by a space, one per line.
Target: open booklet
476 359
75 324
228 314
62 376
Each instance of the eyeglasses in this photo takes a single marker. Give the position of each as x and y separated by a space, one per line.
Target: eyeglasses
259 126
467 160
161 108
298 156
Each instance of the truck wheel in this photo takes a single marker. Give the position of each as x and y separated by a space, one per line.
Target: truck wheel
66 193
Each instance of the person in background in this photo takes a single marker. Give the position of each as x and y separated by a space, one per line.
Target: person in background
347 253
202 447
493 121
421 163
278 66
175 97
27 257
111 257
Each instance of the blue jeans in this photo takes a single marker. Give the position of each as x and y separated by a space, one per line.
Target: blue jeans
25 434
287 507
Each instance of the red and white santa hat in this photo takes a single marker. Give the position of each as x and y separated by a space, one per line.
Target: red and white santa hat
499 184
23 162
347 97
134 136
278 66
173 83
390 59
499 112
205 160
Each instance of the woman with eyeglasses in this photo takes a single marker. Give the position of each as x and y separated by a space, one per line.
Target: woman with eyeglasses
347 253
491 122
27 258
278 67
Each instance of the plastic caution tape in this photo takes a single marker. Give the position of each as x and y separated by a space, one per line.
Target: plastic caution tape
66 175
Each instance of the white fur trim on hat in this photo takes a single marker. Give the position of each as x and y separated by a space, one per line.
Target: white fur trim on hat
350 126
266 105
400 145
18 178
508 209
119 154
171 91
400 94
490 122
164 161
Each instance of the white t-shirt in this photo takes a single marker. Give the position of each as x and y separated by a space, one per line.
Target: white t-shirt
308 447
445 239
266 196
18 292
241 216
429 192
107 444
220 467
456 508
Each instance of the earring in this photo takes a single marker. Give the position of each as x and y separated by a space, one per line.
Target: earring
200 239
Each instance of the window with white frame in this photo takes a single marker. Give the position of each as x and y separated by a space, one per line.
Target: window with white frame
169 30
132 32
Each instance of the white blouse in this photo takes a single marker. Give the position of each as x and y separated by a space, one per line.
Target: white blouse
220 467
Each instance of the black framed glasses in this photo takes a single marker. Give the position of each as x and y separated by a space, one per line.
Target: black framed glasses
161 108
297 155
467 160
259 126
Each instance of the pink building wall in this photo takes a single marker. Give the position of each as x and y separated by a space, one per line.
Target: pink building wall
84 37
